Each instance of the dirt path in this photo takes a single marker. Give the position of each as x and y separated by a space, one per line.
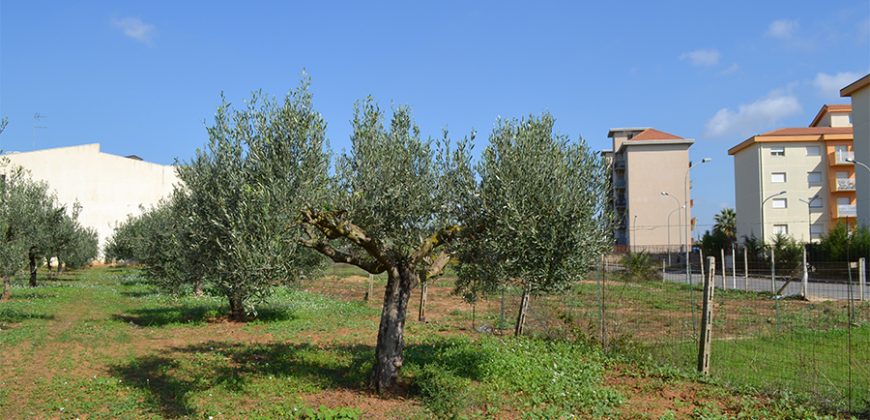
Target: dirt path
39 361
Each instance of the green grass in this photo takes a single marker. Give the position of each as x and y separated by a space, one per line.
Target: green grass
105 343
813 365
546 379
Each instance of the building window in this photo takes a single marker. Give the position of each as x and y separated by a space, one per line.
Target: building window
814 178
777 177
816 231
777 151
780 203
813 151
780 229
816 203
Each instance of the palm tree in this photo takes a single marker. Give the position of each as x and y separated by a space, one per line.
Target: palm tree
726 223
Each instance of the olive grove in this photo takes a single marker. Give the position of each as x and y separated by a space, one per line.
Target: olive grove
265 203
34 228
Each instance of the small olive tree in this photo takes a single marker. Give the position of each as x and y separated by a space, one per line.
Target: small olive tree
244 193
68 241
81 251
393 210
169 252
127 242
21 200
541 218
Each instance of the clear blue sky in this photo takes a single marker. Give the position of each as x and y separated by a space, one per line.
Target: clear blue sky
144 77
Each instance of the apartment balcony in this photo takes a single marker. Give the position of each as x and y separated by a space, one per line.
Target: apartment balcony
619 183
620 202
846 210
844 184
843 158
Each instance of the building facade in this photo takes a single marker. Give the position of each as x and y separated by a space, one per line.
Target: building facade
108 187
796 181
859 91
650 188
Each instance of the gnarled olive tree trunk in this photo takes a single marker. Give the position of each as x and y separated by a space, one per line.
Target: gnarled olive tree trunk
237 307
32 256
7 288
391 341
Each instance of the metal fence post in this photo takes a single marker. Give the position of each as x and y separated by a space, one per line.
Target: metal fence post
706 322
772 270
369 290
601 302
805 281
722 258
862 278
745 268
664 273
701 260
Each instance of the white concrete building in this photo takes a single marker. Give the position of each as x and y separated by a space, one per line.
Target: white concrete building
859 91
108 187
796 181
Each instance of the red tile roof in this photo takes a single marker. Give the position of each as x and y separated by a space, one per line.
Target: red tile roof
808 131
653 134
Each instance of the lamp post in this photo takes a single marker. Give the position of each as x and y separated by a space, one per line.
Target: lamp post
686 205
762 212
809 202
863 165
676 200
634 240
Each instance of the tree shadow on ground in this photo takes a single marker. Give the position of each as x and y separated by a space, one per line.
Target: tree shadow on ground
11 316
172 378
141 293
194 314
32 294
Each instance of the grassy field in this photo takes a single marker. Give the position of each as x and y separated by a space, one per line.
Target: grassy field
811 348
105 343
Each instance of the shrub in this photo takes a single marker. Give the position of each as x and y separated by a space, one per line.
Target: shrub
639 266
443 392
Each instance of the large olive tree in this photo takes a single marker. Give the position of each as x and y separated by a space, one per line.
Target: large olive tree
541 217
393 211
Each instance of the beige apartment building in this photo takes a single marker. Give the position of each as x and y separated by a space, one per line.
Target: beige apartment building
796 181
108 187
859 91
650 186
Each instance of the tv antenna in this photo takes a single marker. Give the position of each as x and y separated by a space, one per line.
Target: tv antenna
37 124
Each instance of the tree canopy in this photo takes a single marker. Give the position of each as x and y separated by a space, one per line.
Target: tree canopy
261 198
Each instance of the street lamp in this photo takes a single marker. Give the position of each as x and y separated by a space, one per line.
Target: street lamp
676 200
762 211
634 240
863 165
809 202
686 205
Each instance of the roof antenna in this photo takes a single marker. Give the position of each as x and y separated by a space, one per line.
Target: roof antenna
37 124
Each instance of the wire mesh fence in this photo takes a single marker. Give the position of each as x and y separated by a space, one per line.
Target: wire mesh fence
771 331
